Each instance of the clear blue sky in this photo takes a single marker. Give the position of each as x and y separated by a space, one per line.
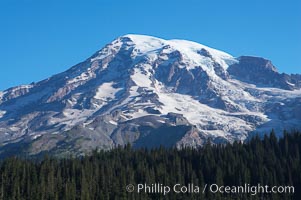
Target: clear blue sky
39 38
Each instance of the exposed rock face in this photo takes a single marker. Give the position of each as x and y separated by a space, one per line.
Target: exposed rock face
149 92
261 72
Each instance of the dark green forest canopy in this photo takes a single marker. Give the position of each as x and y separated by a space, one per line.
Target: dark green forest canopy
105 174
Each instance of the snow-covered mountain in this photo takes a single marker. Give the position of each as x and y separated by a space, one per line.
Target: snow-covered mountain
149 92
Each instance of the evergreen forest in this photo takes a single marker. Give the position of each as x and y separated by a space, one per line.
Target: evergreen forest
106 175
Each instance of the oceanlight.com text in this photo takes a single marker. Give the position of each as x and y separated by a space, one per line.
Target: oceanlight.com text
158 188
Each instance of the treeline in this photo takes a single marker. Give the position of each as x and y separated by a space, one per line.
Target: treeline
105 174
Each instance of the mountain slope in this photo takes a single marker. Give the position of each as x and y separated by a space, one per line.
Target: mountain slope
149 92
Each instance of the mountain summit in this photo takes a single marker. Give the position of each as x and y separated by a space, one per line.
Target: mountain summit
149 92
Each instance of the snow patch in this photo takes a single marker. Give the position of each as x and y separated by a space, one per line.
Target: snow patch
106 91
82 77
2 113
20 87
1 97
290 83
113 122
141 76
36 136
